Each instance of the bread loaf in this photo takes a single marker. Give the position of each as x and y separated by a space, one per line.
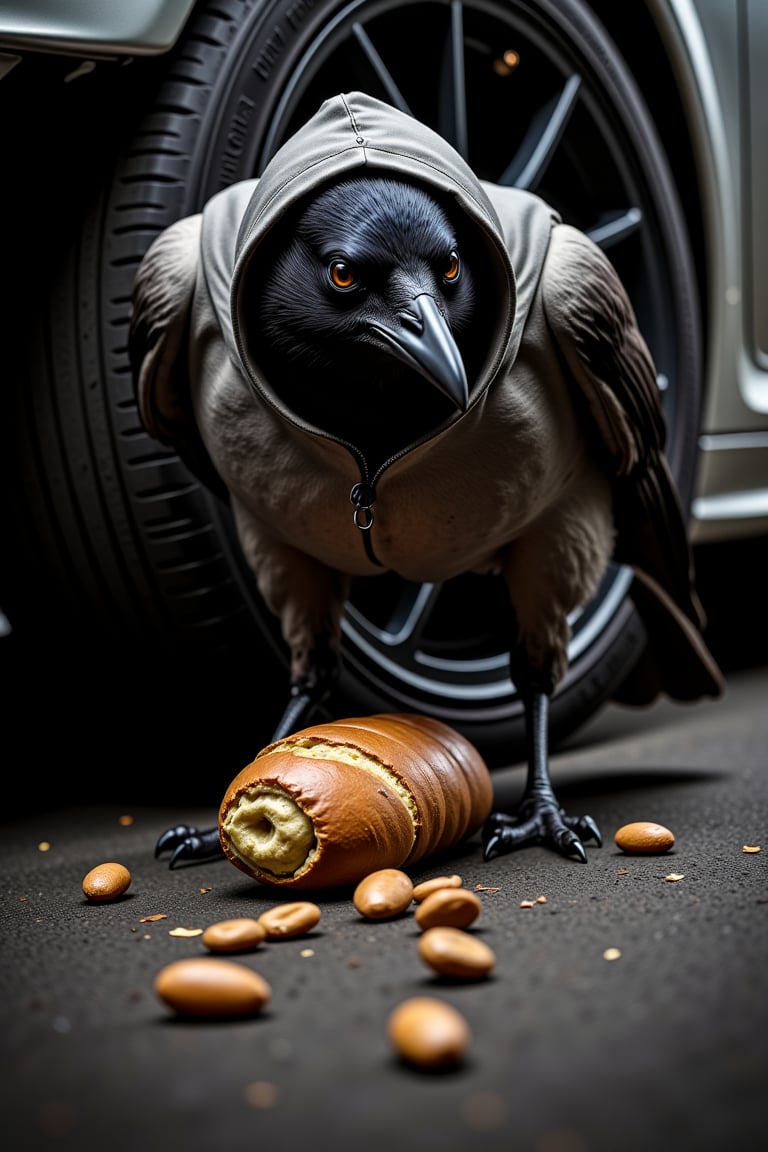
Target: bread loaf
333 802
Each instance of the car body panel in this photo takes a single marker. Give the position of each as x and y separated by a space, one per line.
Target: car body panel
94 27
756 131
718 53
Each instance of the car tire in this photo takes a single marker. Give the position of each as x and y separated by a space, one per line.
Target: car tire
133 564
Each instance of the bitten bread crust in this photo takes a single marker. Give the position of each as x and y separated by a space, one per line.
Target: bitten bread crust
416 787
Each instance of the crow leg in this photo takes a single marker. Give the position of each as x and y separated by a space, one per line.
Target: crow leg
188 844
539 819
309 690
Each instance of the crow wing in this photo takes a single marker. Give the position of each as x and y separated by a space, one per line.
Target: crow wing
594 326
164 289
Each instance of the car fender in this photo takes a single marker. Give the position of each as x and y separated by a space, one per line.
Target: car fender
80 27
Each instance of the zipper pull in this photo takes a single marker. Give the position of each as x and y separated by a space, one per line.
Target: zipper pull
363 497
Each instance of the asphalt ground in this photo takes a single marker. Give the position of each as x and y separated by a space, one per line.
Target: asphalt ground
663 1047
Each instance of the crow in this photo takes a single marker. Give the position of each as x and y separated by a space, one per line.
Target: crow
385 363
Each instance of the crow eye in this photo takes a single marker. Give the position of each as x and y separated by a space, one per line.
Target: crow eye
342 275
452 268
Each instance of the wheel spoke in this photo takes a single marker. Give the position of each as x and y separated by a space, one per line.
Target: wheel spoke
612 230
452 86
542 138
407 619
383 74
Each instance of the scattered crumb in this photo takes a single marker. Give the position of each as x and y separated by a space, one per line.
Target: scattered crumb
622 872
260 1094
307 952
204 890
151 919
43 846
541 899
612 954
673 876
126 821
751 848
186 932
23 898
526 903
485 888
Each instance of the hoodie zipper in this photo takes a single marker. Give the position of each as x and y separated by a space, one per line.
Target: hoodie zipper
363 494
363 497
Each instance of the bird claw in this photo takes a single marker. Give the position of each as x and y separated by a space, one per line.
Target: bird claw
586 828
189 844
173 836
542 823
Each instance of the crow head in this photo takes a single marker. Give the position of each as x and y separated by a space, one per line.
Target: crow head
364 309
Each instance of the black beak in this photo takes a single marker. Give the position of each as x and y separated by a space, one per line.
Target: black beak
424 342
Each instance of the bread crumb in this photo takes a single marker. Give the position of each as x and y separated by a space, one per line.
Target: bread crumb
185 932
612 954
751 848
673 876
260 1094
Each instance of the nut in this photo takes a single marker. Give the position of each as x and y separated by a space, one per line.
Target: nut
421 891
383 894
106 882
294 919
428 1032
449 907
239 935
644 838
453 952
213 987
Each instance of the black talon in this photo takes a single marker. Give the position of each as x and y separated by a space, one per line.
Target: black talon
173 836
200 846
493 844
189 843
586 828
576 848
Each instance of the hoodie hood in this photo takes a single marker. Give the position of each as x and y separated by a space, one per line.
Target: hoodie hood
353 134
349 135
